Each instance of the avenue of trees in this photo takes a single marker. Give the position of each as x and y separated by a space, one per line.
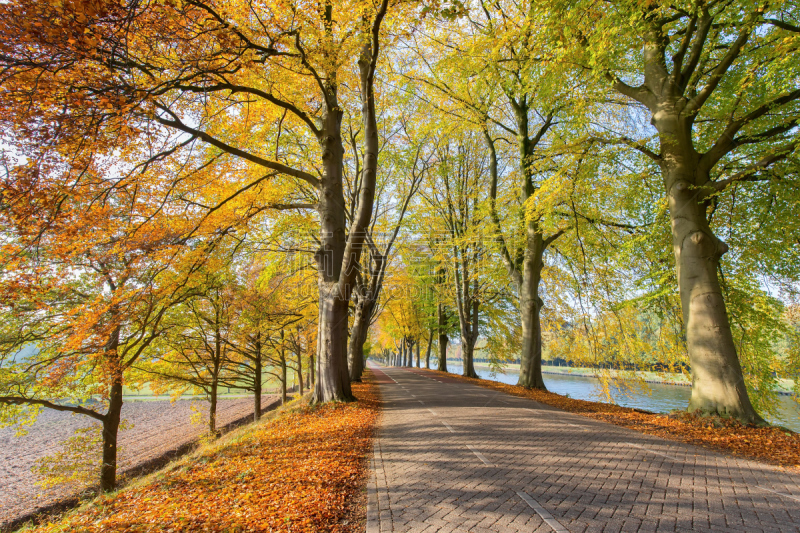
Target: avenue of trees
201 194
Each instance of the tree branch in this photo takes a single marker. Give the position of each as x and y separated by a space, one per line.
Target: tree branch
255 92
273 165
19 400
697 102
747 174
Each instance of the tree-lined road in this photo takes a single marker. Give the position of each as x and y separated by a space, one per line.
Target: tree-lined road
450 456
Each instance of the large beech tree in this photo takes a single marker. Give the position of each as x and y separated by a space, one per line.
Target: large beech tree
719 82
487 72
236 77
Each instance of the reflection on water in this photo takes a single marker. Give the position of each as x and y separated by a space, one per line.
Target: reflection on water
660 399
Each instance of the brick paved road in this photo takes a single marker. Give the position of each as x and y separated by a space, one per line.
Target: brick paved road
457 457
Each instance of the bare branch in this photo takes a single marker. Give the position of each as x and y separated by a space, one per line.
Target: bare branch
20 400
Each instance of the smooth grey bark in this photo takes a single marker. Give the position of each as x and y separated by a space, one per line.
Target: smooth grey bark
717 380
469 337
339 255
358 335
212 408
417 349
530 305
461 217
333 380
311 370
368 291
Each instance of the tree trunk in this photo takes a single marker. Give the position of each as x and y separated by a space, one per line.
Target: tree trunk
336 287
312 370
300 373
428 351
358 336
526 276
417 348
530 305
212 410
718 385
443 339
257 383
467 353
468 320
282 355
111 421
333 379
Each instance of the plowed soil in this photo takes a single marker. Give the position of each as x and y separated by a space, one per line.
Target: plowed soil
159 427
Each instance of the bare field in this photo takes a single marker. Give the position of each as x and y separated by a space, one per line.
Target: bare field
158 428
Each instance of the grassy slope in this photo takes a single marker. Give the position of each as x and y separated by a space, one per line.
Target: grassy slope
302 469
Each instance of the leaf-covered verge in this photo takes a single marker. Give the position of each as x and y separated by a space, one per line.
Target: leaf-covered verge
772 444
302 470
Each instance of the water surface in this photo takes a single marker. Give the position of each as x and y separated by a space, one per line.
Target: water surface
659 399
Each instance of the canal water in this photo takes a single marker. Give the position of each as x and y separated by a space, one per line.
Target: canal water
659 399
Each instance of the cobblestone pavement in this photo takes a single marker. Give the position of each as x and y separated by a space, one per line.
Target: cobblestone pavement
452 456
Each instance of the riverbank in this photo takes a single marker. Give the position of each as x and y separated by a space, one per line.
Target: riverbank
772 444
785 386
302 468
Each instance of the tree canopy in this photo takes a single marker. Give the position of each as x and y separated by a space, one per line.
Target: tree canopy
207 191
